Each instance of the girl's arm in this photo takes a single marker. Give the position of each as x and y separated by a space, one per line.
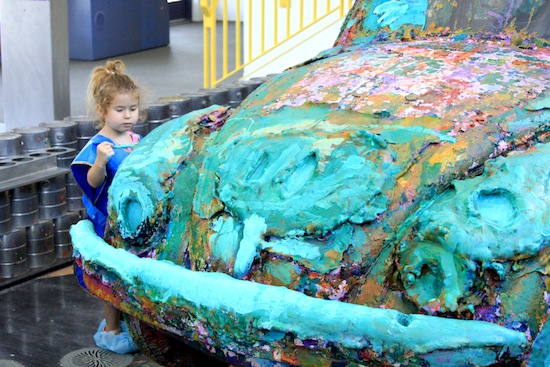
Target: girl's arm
96 173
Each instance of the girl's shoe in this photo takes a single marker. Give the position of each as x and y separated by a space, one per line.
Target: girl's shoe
120 343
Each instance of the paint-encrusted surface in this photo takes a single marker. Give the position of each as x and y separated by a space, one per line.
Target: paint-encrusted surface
385 203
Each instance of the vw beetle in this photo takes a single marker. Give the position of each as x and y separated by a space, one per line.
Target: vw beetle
385 203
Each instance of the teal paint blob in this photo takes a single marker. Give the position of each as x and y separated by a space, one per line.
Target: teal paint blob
396 13
496 207
224 242
254 229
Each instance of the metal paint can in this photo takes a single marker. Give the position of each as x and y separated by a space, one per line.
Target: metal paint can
153 124
10 145
237 92
62 237
199 100
24 206
33 138
5 212
251 84
85 125
158 111
82 141
83 214
65 156
13 253
52 197
141 128
61 133
74 194
219 96
177 106
40 244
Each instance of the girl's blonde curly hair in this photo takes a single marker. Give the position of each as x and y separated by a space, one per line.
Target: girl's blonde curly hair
105 82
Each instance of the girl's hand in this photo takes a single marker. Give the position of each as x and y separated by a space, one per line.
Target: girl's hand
104 153
96 173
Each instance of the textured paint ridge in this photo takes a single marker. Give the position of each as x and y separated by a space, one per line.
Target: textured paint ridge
280 309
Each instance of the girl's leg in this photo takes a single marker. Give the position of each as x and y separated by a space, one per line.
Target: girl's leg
112 318
112 333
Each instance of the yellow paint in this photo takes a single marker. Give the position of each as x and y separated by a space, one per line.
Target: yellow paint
448 156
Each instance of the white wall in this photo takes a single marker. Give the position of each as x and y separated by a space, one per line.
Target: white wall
300 48
35 62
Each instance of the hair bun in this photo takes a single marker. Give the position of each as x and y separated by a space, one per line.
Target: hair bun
115 67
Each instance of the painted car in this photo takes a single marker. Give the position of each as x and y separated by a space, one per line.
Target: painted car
384 204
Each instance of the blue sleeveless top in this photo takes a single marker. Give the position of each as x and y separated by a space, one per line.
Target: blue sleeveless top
95 199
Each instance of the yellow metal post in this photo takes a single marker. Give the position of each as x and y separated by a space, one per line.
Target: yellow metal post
249 31
288 20
225 40
209 26
301 15
275 22
314 10
262 12
238 41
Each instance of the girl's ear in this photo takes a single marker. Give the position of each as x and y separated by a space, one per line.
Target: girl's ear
100 111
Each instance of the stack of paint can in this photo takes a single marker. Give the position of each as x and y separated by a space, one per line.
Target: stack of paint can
33 139
10 145
5 212
13 253
52 197
62 238
40 244
142 126
157 114
86 128
237 93
74 194
24 205
217 96
13 244
198 100
63 134
251 84
178 105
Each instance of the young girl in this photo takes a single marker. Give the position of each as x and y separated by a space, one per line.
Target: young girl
115 99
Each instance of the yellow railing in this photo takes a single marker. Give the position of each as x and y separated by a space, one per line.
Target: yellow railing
266 24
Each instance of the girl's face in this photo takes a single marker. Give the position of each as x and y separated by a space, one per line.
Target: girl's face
123 112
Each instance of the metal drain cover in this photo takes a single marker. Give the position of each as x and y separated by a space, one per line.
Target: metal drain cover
7 363
95 357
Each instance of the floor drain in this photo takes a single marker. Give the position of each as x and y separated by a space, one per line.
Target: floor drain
95 357
6 363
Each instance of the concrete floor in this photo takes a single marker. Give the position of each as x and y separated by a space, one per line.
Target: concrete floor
46 319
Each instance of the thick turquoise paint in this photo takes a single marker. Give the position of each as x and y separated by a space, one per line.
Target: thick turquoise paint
296 181
397 13
253 231
282 310
224 242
